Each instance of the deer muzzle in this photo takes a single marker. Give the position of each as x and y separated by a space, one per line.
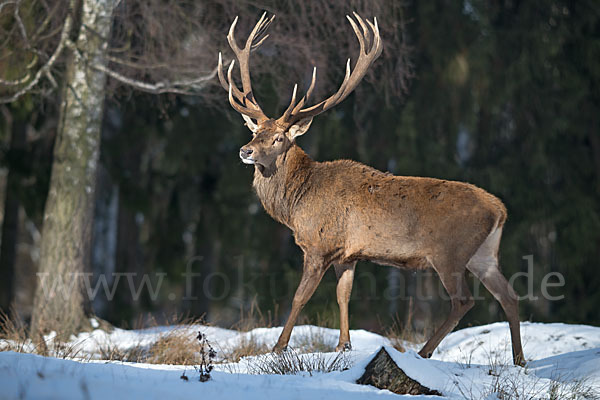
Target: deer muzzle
245 155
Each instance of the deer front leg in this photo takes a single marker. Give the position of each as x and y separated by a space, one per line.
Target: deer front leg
345 276
314 268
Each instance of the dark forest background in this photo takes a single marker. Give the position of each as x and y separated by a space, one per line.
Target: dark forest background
501 94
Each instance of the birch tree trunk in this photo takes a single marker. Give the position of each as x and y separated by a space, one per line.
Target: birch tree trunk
68 215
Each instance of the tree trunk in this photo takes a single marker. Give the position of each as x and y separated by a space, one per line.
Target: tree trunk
10 223
68 216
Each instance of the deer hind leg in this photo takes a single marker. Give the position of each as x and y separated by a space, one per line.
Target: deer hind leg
455 284
345 275
484 265
312 273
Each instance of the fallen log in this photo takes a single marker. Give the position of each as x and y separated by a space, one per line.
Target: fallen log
383 373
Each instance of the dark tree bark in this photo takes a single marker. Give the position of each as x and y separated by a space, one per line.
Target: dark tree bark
383 373
10 224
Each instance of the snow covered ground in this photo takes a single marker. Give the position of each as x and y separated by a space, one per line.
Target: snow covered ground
471 363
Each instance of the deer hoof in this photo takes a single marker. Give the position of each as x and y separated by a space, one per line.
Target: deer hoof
279 348
519 361
344 347
425 354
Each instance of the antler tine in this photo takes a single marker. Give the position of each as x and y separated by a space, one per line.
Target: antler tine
305 98
378 44
292 105
362 64
243 55
245 104
327 103
369 51
231 36
257 44
225 83
256 114
257 28
241 108
262 29
360 36
365 29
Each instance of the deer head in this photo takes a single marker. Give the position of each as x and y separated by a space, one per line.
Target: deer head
272 138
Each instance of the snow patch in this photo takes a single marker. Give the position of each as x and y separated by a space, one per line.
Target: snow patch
468 363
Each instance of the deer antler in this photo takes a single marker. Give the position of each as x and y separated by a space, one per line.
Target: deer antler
295 112
244 101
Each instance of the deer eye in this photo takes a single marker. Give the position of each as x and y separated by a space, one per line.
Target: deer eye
279 139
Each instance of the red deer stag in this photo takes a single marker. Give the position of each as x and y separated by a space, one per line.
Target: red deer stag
343 211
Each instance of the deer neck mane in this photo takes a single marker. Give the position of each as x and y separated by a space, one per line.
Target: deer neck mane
281 188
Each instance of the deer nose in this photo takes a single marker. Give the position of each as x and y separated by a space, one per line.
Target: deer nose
246 151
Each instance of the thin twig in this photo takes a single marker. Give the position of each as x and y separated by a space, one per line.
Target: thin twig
64 37
5 3
20 24
15 82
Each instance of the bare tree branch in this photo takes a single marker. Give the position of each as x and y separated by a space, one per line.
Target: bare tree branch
158 47
16 82
5 3
42 27
23 31
20 25
184 87
179 87
146 66
45 69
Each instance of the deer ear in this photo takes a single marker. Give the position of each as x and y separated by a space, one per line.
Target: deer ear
250 124
299 128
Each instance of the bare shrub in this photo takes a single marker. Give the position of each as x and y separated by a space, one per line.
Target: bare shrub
573 390
207 355
290 362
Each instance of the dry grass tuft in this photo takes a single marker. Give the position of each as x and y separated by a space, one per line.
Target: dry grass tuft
254 318
112 352
13 334
518 383
399 333
290 362
573 390
177 346
248 346
315 341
